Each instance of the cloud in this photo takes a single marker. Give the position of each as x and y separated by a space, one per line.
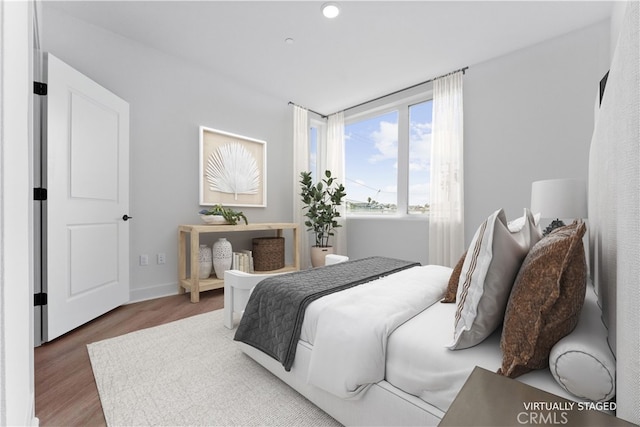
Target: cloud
419 193
392 189
420 147
386 142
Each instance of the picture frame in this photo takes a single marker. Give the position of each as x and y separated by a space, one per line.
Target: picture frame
233 169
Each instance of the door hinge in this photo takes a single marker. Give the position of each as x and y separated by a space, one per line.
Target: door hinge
40 88
39 193
39 299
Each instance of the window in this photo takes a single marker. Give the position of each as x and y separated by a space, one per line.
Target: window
313 151
419 157
317 136
387 159
371 160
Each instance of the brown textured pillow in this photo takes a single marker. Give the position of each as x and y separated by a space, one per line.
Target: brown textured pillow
545 301
452 287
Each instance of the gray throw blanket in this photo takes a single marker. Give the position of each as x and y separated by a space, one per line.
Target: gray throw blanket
272 320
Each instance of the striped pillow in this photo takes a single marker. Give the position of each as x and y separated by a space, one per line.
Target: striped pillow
514 226
489 270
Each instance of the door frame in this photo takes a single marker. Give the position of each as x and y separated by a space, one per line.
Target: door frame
39 206
17 390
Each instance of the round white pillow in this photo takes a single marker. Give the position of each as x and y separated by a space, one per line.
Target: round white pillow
582 362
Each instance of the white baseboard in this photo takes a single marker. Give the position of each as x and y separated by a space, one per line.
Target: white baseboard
153 292
31 419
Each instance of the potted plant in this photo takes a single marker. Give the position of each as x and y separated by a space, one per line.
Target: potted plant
218 214
321 201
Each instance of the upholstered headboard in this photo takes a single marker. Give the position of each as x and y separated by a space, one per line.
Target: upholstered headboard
614 212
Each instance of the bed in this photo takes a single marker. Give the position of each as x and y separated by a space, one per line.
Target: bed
403 361
416 378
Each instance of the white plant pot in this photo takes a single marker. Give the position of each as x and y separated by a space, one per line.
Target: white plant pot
214 219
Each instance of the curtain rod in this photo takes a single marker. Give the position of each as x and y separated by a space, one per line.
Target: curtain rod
388 94
404 89
308 109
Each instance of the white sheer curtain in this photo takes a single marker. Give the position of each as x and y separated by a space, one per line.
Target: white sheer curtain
446 219
300 164
335 163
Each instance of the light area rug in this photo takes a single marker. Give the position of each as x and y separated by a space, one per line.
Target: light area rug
190 372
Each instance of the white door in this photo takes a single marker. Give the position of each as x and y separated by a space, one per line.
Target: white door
87 180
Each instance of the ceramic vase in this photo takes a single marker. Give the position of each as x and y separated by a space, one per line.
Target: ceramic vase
206 261
318 253
222 256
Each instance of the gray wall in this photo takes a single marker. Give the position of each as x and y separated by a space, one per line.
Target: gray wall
169 99
528 116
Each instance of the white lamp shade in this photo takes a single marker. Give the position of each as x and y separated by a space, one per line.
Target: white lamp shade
559 198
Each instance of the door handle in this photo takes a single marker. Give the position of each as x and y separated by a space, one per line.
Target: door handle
126 217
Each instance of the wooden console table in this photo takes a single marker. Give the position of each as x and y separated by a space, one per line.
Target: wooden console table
194 284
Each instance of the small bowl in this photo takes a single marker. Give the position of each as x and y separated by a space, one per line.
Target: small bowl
213 219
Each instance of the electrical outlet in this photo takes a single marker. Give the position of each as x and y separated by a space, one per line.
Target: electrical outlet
144 259
162 258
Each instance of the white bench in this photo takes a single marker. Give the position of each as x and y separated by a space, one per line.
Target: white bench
237 289
238 286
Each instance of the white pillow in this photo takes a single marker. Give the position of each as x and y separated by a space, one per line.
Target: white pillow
489 270
582 362
517 224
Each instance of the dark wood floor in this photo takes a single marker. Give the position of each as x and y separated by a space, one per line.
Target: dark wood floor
66 393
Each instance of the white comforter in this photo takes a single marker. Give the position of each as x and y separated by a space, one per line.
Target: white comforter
346 360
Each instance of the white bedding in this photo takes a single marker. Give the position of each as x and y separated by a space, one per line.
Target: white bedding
413 378
413 357
345 361
419 363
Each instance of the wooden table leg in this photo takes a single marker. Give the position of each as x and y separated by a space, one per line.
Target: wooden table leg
195 266
182 260
296 249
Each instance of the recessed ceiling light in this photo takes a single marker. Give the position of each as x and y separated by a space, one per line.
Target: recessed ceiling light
330 10
289 40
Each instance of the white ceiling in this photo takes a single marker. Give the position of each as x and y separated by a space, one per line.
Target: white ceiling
370 49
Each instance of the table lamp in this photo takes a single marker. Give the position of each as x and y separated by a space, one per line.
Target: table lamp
559 199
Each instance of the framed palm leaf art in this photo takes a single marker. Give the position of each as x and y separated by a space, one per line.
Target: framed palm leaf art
233 169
